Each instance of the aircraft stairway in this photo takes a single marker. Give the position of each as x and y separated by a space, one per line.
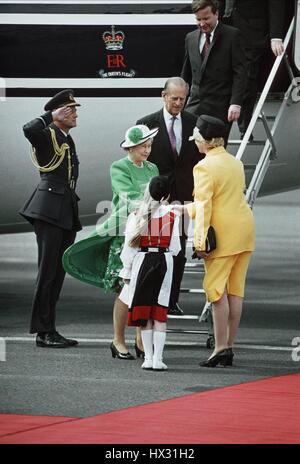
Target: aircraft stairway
275 130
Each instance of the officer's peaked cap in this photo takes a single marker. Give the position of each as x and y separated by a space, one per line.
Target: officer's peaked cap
63 98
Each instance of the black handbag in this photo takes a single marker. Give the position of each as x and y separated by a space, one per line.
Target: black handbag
210 242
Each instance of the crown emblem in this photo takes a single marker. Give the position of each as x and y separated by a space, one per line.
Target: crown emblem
113 40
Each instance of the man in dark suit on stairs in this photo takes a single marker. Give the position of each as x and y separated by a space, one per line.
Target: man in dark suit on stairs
175 157
52 210
215 66
261 23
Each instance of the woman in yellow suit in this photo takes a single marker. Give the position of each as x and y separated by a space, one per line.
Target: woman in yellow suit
219 201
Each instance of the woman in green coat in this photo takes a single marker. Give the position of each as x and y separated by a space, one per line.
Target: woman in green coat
96 259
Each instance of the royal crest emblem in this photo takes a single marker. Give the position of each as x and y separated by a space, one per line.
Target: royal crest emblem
114 61
113 39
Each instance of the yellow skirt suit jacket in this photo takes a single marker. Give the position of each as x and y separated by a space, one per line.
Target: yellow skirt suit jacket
219 200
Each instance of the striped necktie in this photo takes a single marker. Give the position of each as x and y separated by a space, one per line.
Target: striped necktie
206 46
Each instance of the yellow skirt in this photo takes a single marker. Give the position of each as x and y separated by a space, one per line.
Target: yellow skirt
228 272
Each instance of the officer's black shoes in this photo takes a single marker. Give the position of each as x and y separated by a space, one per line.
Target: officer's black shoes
50 340
176 310
53 340
69 341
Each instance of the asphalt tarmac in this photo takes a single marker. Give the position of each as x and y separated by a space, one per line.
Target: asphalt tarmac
86 380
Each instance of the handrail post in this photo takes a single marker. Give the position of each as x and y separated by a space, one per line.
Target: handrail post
273 154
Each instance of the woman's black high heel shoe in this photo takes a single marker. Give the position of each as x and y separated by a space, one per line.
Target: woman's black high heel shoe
117 354
229 358
139 353
218 358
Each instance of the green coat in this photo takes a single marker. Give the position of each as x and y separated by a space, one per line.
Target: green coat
96 259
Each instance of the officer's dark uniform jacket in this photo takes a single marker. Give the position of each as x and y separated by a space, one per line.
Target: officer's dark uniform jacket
54 200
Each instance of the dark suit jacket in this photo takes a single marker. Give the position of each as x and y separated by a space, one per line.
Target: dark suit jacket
180 169
220 79
52 201
258 20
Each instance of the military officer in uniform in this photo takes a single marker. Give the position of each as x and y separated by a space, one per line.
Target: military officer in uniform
52 210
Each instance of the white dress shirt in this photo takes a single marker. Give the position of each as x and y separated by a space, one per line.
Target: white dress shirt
203 38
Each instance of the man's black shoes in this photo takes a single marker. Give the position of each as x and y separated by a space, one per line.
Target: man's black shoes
54 340
69 341
50 340
176 310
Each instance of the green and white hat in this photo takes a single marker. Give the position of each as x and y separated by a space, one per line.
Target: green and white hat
136 135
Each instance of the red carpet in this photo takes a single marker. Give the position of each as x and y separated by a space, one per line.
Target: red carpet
264 411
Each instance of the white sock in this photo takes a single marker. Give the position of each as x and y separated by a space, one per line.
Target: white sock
147 337
159 339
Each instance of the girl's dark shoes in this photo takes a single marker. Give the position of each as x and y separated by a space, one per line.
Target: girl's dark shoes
117 354
222 357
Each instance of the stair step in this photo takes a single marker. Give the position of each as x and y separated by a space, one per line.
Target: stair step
268 118
192 290
250 167
194 265
234 142
187 316
201 332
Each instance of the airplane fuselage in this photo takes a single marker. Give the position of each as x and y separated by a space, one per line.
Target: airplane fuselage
116 56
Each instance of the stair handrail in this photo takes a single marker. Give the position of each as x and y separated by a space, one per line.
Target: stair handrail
265 93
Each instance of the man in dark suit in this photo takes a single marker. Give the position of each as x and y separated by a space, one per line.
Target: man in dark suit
261 23
52 210
215 66
175 157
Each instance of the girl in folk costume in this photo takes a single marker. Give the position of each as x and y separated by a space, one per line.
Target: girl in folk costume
151 241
